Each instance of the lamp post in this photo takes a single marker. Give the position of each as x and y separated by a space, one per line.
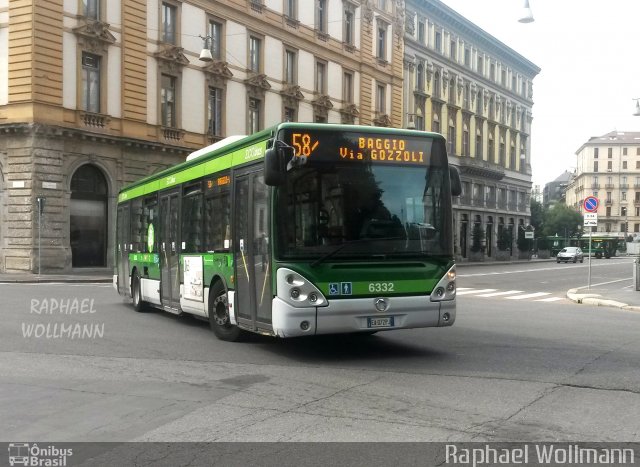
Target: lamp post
637 110
411 123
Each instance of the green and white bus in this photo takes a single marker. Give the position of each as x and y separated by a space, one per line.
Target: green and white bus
300 229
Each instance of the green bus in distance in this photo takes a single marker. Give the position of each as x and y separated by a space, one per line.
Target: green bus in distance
300 229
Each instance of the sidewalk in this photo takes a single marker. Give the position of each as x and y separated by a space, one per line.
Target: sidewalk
76 276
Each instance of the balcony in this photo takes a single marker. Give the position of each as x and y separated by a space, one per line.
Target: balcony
595 186
624 186
608 202
93 120
464 199
608 185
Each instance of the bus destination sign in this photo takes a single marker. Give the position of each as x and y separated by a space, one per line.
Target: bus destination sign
326 146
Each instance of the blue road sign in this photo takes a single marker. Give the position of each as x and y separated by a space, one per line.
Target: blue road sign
591 204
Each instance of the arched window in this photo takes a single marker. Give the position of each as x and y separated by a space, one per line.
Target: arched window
420 77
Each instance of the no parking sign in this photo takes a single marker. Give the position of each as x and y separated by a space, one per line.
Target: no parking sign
591 204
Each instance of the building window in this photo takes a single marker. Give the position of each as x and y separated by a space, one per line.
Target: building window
255 51
420 77
381 99
347 87
595 166
465 140
595 153
215 32
624 151
321 15
609 165
492 71
624 164
467 57
169 21
624 196
436 85
381 41
480 64
90 82
289 114
91 9
349 25
321 78
610 152
254 115
290 68
479 143
421 34
438 42
215 112
512 157
435 124
290 9
168 100
451 137
453 50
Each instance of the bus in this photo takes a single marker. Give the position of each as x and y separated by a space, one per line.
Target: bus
300 229
603 244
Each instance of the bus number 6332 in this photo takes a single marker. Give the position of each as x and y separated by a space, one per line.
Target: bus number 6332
381 287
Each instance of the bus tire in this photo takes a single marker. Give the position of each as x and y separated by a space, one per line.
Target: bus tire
219 320
136 294
598 255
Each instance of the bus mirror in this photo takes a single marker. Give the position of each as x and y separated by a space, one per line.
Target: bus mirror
276 160
456 186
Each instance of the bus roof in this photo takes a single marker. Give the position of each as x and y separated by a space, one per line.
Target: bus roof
236 144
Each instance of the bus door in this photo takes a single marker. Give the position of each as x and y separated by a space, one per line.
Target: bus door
252 257
168 248
122 233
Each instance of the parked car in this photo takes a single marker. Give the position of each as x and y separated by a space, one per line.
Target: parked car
570 253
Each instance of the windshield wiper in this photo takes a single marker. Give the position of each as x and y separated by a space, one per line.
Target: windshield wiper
351 242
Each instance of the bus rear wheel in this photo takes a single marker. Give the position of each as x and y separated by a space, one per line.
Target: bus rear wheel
219 320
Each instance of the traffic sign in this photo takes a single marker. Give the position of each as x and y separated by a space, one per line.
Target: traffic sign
591 204
590 219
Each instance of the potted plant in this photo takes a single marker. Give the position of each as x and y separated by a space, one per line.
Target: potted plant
544 248
504 245
477 239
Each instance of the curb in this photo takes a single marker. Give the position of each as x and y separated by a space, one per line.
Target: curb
594 299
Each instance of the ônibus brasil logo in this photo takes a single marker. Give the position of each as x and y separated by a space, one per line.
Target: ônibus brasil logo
34 455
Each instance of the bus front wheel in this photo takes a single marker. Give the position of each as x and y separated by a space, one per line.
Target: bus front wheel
136 293
219 320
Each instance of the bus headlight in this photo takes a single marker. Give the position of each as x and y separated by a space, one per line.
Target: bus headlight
445 289
297 291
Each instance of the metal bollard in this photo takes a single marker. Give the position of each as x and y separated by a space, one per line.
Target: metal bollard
636 272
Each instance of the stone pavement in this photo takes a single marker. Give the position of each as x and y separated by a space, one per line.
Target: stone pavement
613 294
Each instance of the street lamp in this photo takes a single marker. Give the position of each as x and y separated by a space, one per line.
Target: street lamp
205 53
527 14
411 124
637 111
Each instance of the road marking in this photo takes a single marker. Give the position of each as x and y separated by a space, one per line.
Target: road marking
496 273
531 295
496 294
465 292
605 283
550 299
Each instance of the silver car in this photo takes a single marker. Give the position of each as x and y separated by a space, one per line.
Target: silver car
570 253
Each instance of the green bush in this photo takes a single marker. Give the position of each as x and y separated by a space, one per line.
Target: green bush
504 240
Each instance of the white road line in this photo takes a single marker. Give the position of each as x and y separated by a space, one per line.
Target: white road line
495 273
496 294
531 295
465 288
605 283
550 299
465 292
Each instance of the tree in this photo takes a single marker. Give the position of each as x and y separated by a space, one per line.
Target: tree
563 220
537 215
522 242
504 240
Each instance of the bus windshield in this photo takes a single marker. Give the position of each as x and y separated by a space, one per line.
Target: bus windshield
347 210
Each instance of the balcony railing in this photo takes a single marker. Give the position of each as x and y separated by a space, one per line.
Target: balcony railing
93 120
595 186
608 185
608 202
624 186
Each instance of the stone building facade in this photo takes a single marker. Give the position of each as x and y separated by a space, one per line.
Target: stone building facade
95 94
475 90
608 167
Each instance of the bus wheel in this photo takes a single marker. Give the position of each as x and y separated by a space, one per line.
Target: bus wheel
219 315
598 255
136 293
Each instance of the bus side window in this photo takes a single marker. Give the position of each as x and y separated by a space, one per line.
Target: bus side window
137 222
149 216
217 217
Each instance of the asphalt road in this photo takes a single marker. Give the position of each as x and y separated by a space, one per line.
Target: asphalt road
522 363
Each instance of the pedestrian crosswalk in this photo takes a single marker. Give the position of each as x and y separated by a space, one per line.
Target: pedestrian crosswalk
508 294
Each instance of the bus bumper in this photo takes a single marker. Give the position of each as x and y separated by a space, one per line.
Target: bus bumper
354 315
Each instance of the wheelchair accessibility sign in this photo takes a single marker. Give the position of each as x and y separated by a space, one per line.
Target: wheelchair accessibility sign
340 288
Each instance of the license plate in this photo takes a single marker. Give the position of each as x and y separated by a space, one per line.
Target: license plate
385 322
